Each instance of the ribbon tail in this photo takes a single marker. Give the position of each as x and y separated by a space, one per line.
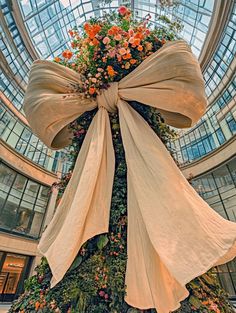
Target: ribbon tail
85 206
173 234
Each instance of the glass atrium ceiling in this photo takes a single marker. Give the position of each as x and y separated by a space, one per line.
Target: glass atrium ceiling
48 21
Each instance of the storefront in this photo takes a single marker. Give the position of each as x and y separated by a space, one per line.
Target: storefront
14 269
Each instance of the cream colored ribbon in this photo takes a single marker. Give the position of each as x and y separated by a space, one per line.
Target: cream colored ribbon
173 235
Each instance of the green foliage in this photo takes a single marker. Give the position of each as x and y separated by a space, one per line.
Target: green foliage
95 281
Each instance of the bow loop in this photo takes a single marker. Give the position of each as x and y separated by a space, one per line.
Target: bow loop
108 98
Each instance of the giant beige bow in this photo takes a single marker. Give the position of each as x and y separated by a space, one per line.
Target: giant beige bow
173 235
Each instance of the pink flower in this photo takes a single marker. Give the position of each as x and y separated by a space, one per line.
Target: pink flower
118 37
112 53
106 40
106 296
131 32
122 10
122 51
101 293
131 40
213 307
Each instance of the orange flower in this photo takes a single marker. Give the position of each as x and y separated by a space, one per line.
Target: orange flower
71 33
111 71
87 27
57 59
92 30
92 90
95 42
122 51
205 302
139 35
131 32
114 30
132 61
126 44
127 56
131 40
140 48
67 54
118 37
136 41
118 57
37 305
73 45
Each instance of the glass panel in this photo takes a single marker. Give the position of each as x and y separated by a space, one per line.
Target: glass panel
7 176
11 275
232 168
9 212
23 202
36 222
223 179
31 192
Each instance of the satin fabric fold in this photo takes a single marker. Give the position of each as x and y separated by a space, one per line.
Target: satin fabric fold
168 222
85 206
173 235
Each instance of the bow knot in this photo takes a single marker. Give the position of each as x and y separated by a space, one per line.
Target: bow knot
108 98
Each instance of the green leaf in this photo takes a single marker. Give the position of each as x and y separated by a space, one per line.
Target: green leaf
208 279
195 302
116 126
102 242
76 263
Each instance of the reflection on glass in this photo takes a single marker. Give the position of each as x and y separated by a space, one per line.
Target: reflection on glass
20 138
218 188
23 203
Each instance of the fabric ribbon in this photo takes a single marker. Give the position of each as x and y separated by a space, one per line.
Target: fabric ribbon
173 235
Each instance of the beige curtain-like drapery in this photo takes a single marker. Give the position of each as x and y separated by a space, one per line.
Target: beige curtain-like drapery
173 235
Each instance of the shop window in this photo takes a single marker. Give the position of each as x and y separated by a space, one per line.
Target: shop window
14 269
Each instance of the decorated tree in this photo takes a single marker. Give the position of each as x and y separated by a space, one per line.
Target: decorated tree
106 50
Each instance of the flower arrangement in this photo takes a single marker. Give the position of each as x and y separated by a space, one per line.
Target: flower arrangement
107 49
102 51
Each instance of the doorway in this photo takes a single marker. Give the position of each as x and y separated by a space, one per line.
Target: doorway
14 269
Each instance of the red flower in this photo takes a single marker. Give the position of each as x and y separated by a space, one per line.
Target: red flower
92 90
123 10
67 54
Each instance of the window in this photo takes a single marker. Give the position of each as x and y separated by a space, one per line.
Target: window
23 203
21 138
218 189
14 269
